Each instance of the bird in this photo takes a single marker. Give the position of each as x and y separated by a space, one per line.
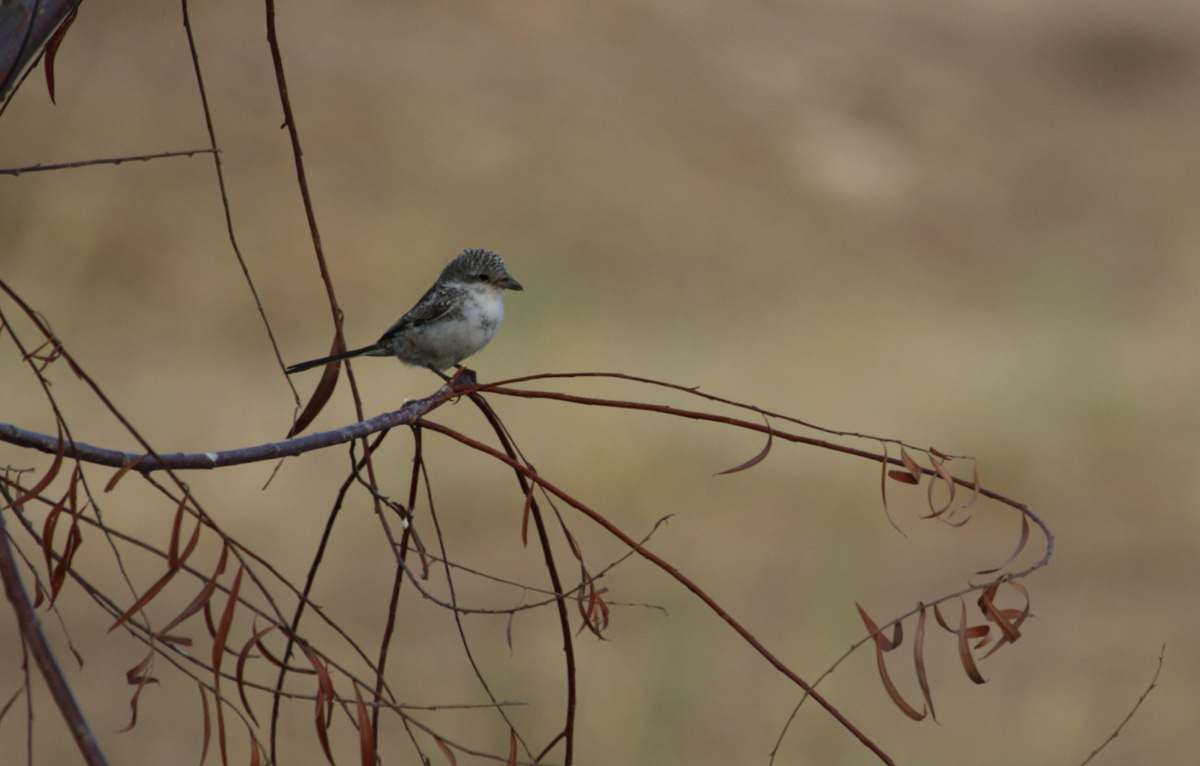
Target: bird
455 318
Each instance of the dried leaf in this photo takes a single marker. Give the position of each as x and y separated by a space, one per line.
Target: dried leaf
203 596
52 51
883 477
883 645
324 707
944 475
366 735
218 649
914 470
445 749
121 473
320 397
757 458
512 748
904 477
74 540
137 675
16 695
45 480
1020 547
241 667
207 723
525 515
964 649
919 662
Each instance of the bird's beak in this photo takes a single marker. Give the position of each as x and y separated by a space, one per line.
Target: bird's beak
508 283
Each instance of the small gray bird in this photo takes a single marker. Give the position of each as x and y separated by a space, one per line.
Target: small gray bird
454 319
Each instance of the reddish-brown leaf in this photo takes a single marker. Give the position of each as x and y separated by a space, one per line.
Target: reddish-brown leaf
525 515
207 723
754 460
255 753
203 596
914 470
11 700
366 736
883 477
45 480
964 648
219 641
904 477
883 645
919 662
137 675
512 748
145 599
1020 547
49 526
279 664
241 666
52 51
446 749
74 540
121 473
324 390
944 475
325 698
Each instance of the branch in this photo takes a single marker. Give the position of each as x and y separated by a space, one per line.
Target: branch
43 655
411 412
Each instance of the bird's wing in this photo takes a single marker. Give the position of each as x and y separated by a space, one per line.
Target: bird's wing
428 309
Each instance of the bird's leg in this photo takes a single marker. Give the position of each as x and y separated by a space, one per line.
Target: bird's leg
439 373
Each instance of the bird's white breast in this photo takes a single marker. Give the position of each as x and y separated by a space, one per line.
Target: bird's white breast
445 343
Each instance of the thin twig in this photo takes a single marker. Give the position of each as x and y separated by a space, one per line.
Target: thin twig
113 161
1138 704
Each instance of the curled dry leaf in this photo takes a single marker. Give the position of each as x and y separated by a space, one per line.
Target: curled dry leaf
882 644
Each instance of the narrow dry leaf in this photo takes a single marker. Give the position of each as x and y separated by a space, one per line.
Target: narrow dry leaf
883 477
754 460
1020 547
512 748
45 480
121 473
241 668
74 540
320 397
255 753
218 649
324 707
944 475
883 645
52 51
919 662
205 594
914 470
964 649
904 477
207 723
525 515
137 675
11 700
366 736
145 599
445 749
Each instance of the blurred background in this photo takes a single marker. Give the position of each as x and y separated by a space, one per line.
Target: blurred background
966 225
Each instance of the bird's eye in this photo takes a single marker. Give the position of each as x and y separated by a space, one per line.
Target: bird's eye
482 277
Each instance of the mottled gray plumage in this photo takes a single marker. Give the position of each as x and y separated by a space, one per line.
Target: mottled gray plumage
454 319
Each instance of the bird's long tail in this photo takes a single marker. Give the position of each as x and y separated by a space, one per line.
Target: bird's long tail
372 350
